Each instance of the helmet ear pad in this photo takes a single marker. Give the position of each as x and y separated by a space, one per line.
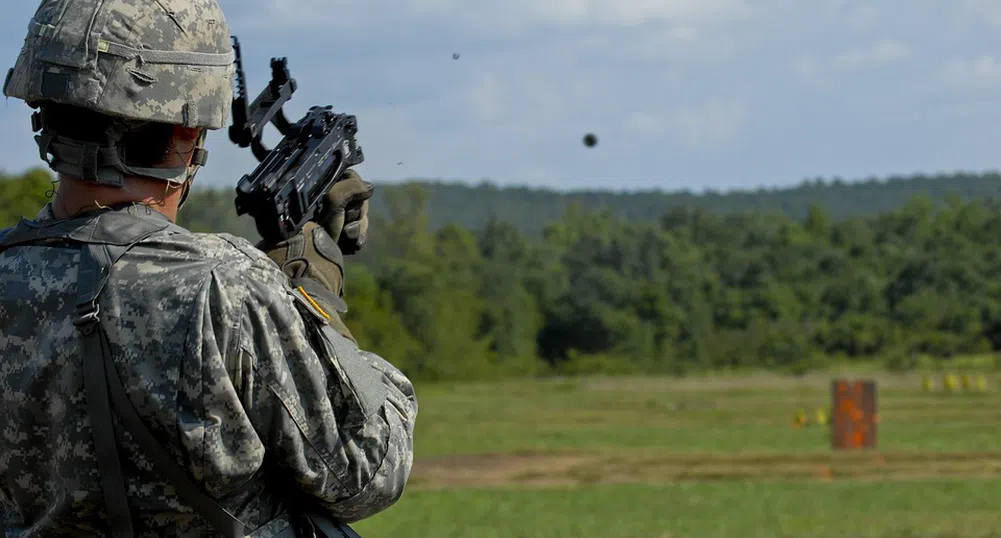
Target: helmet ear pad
92 146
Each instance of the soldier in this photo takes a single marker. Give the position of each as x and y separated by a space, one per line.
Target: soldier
158 382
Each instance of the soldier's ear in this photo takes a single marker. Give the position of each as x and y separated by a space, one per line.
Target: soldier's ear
185 142
186 134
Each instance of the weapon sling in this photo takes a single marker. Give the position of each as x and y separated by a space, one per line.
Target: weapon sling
105 391
102 381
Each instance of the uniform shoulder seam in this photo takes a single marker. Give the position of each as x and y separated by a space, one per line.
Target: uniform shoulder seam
255 258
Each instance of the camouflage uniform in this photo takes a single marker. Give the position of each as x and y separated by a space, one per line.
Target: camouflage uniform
216 353
234 372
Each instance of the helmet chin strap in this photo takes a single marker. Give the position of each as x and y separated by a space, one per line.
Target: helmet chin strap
193 168
187 191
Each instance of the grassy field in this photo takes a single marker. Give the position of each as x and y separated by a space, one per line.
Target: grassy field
695 457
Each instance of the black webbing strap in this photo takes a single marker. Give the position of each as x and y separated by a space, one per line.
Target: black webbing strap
102 380
89 284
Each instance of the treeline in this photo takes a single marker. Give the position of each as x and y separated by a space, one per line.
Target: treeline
23 195
531 210
690 290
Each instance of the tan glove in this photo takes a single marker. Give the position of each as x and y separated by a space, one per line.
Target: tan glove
314 259
346 216
315 265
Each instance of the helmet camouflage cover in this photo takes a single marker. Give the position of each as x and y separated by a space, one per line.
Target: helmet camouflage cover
166 61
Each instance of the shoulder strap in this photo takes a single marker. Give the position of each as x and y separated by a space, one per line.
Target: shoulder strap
102 380
95 382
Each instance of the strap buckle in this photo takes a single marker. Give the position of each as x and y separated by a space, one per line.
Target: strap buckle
87 314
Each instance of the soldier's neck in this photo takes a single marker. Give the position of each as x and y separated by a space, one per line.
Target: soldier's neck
75 196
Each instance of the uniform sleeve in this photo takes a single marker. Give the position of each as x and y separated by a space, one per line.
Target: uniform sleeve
338 422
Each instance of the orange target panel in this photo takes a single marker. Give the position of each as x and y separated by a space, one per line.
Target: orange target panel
853 424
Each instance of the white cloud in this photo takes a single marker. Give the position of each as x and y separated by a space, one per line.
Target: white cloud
484 15
709 124
646 124
983 72
806 66
682 33
625 12
862 18
882 52
527 103
889 50
485 99
539 174
986 11
824 73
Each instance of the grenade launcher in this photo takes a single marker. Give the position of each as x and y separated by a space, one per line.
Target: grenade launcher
289 187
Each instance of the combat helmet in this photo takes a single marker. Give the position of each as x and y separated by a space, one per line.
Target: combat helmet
137 61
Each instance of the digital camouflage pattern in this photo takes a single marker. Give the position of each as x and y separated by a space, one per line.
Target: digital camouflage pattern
168 61
217 354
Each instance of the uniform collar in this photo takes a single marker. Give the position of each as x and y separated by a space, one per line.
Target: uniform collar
47 216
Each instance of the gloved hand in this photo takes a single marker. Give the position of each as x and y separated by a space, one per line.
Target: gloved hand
346 215
313 262
314 259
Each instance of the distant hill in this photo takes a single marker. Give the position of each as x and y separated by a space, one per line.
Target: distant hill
532 209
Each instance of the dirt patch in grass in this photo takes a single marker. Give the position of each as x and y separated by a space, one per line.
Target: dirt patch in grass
752 381
528 468
538 469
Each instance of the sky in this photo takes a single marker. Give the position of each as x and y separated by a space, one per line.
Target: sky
682 94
